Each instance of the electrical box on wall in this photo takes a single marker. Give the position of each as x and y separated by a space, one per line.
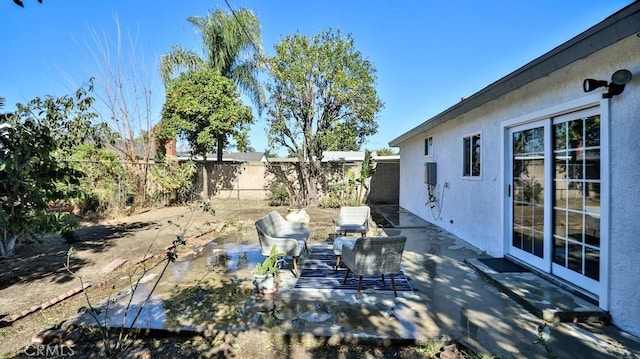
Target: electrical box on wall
430 173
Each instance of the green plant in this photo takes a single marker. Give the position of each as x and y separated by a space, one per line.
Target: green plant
386 152
173 180
36 140
240 227
364 180
204 108
429 349
106 185
269 265
332 107
115 341
230 221
341 193
278 194
543 333
67 224
87 202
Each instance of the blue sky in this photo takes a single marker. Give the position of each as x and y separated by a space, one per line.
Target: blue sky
428 54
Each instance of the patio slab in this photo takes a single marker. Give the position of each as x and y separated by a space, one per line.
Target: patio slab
452 299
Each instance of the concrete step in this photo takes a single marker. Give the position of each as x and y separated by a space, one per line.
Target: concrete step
540 296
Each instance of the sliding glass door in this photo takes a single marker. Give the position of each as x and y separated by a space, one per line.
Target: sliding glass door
555 202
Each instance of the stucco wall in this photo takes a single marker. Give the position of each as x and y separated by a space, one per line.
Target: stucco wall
624 159
385 183
468 207
251 180
233 180
473 209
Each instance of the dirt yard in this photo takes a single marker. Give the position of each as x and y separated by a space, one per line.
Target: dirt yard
34 282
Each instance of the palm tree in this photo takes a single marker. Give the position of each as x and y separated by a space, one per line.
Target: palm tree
232 45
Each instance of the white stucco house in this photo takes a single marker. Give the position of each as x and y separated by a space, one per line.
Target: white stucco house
536 168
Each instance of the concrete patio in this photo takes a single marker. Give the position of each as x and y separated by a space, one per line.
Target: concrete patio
455 297
494 312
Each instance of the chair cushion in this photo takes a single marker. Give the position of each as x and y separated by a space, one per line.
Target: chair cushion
299 234
374 255
343 241
351 228
353 219
274 225
288 237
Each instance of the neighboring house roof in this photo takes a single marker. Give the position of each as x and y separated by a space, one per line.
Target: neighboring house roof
227 157
282 160
346 156
389 158
340 156
243 156
614 28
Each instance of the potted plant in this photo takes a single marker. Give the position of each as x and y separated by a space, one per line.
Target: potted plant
264 274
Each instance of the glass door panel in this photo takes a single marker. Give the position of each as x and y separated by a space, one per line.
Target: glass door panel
528 199
576 210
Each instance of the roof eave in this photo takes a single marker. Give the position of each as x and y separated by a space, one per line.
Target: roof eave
611 30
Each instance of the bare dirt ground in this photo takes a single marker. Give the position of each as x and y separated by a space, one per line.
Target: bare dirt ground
37 274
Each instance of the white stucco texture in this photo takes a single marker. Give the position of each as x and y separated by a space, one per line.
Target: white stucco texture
473 209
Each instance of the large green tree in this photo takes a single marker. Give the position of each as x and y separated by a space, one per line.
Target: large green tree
205 109
322 97
231 47
35 140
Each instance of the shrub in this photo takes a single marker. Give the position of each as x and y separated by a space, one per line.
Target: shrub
106 185
278 194
173 180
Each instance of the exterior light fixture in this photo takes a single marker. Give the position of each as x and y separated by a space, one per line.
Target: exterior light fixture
616 86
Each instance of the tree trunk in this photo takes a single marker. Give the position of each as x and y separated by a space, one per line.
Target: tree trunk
7 247
313 190
367 188
205 181
220 141
309 176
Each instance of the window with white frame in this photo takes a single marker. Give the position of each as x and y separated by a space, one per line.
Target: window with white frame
428 146
471 155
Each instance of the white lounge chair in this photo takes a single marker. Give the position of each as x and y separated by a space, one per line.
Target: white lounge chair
374 256
353 220
288 237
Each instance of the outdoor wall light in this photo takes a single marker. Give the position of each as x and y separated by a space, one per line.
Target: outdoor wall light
616 86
